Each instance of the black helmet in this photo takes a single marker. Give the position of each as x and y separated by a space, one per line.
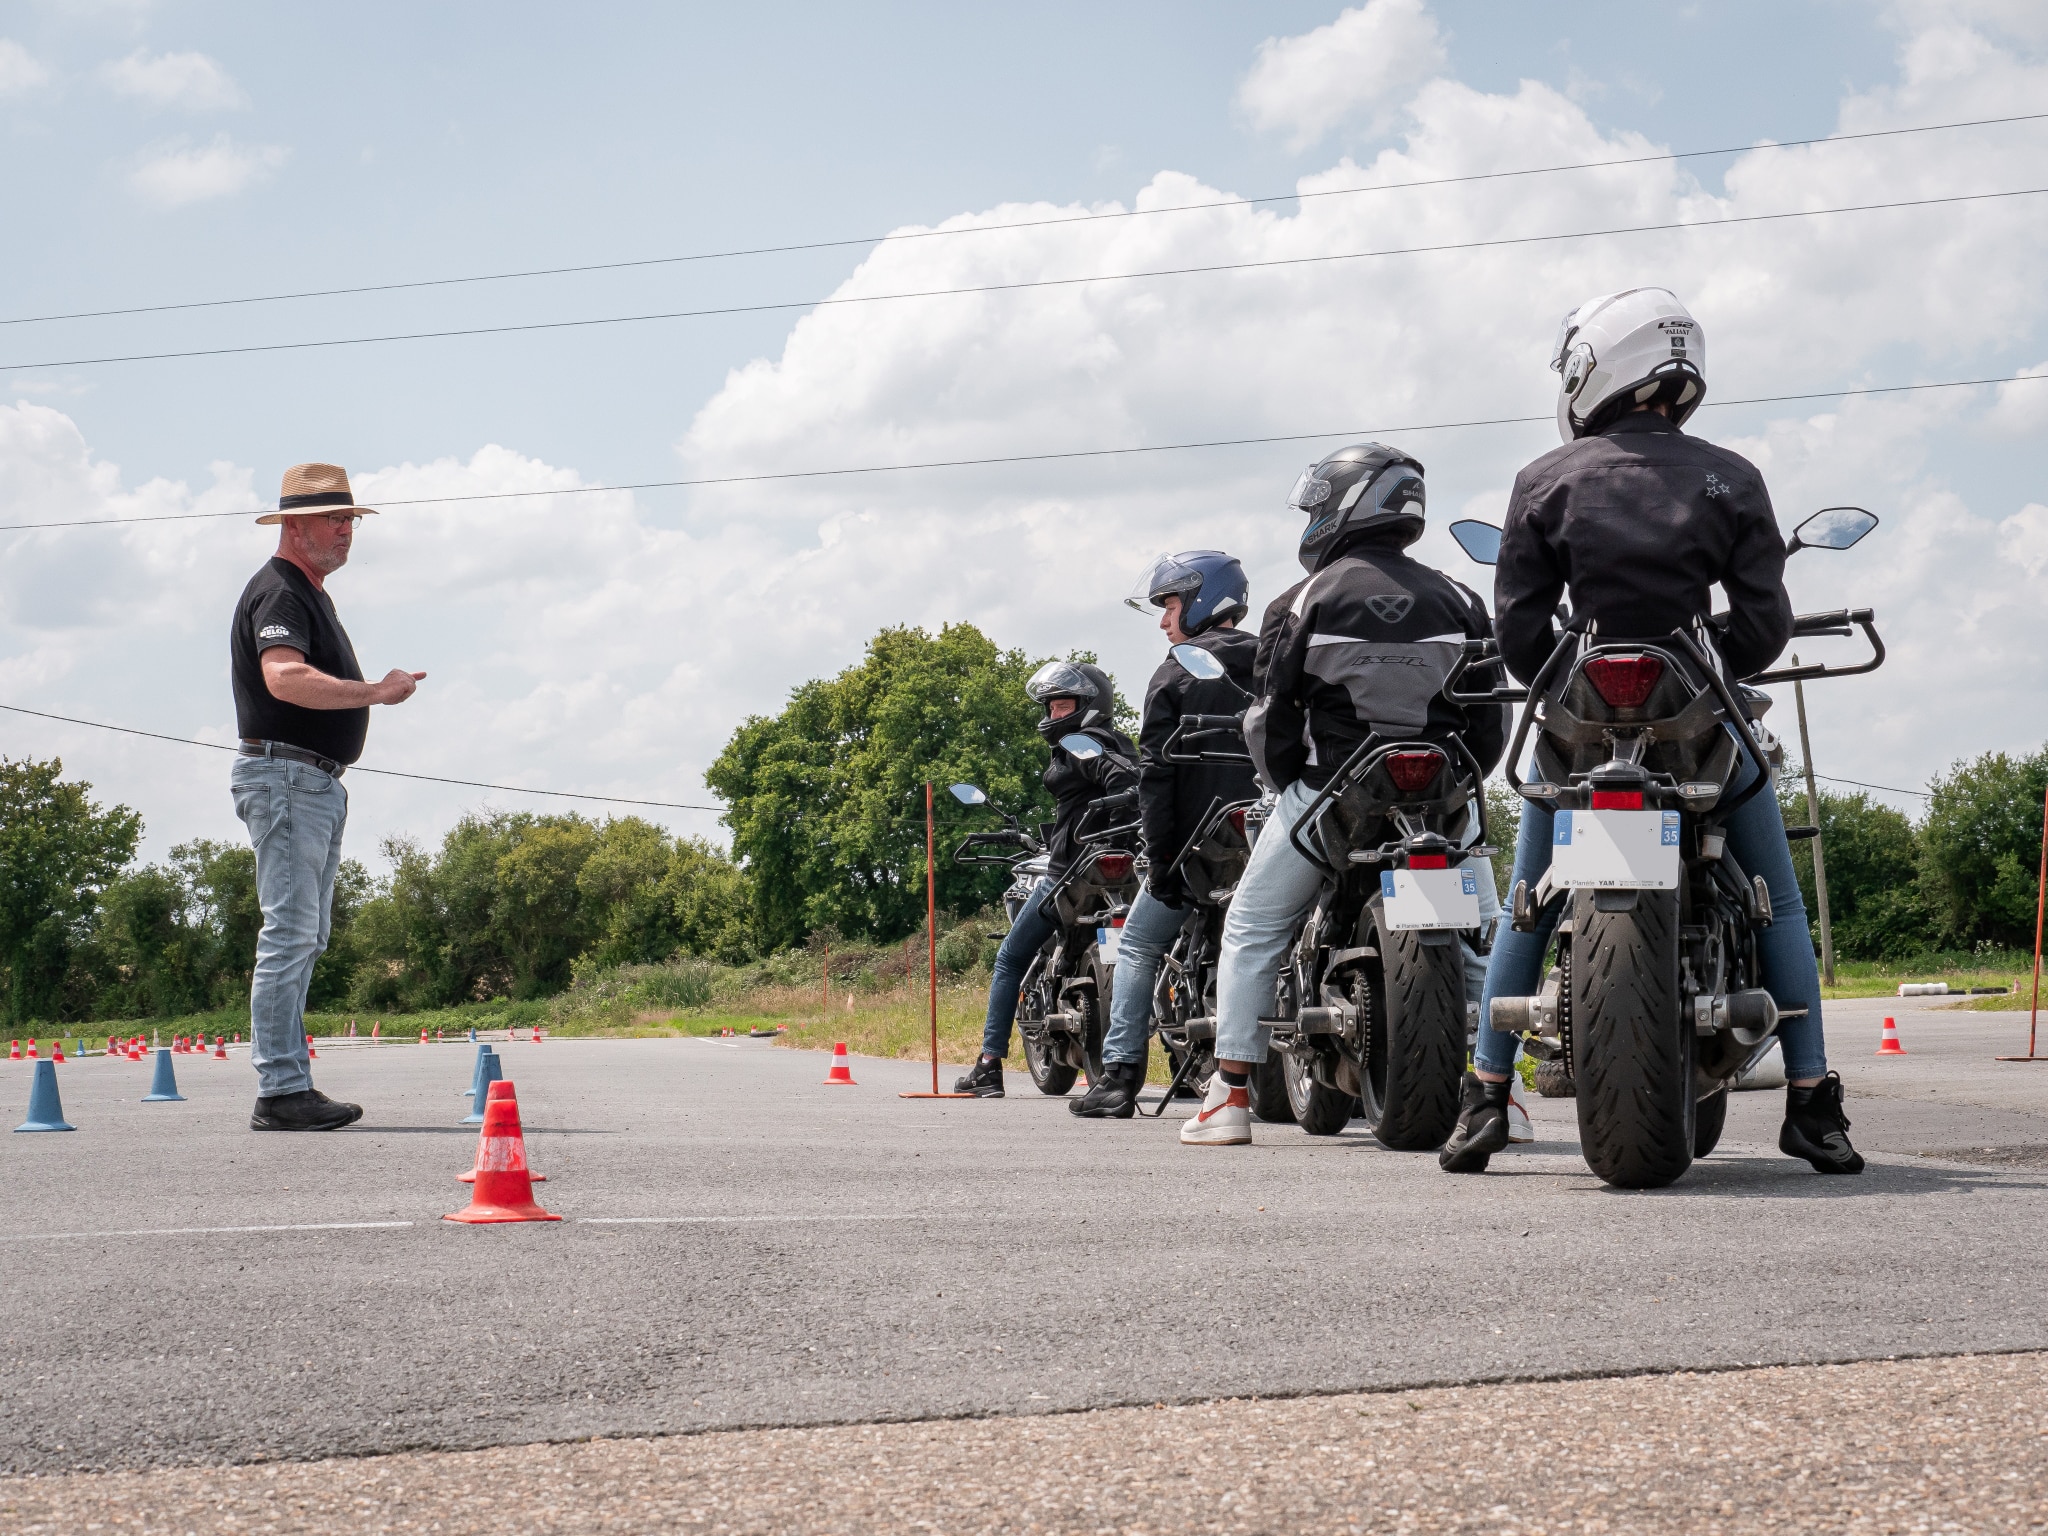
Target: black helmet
1083 682
1364 487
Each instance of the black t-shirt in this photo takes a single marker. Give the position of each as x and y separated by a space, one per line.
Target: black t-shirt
280 606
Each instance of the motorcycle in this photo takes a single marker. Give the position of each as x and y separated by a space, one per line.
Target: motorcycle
1656 1002
1063 1002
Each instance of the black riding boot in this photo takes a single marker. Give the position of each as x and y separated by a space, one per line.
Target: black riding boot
1482 1127
1817 1130
1112 1096
985 1081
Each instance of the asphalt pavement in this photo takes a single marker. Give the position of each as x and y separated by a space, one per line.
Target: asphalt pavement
747 1247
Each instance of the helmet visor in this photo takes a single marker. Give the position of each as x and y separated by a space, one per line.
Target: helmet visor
1165 576
1059 679
1309 492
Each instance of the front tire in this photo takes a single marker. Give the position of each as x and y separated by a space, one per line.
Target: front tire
1415 1039
1632 1051
1050 1076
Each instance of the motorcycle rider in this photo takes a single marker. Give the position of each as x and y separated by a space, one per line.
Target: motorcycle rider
1639 520
1362 646
1200 595
1078 700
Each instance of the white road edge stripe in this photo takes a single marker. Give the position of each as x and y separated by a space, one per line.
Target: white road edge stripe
309 1226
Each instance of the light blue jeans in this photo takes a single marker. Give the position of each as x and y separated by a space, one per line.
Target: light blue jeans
1756 836
1150 928
295 815
1278 888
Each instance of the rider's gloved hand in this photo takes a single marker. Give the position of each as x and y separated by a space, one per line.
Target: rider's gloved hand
1165 889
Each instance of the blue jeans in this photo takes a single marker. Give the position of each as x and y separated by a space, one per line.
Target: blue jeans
1756 836
295 815
1150 928
1026 936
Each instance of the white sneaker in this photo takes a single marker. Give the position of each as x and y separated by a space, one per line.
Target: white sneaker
1519 1127
1224 1120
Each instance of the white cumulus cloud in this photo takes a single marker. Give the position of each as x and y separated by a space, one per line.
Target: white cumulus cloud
20 70
191 82
172 176
1364 64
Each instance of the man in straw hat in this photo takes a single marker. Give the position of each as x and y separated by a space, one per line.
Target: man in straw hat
302 710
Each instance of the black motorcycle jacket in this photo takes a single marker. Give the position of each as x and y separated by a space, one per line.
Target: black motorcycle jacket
1077 785
1174 797
1639 521
1363 647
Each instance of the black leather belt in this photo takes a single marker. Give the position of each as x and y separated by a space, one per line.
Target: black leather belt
293 754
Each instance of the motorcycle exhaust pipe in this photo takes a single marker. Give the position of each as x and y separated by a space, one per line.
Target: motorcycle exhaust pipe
1751 1014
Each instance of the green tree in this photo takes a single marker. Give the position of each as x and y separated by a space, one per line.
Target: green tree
58 852
1876 904
1982 849
825 800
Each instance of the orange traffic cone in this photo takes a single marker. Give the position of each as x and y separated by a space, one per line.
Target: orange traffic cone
377 1030
503 1188
31 1050
311 1054
15 1053
1889 1045
220 1047
536 1034
56 1050
840 1075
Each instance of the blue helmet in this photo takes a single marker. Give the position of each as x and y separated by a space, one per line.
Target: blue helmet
1210 585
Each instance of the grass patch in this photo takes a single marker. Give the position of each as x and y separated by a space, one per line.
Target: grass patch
1960 969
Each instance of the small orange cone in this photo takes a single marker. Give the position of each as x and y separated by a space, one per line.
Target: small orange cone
31 1050
841 1074
536 1034
220 1047
311 1054
1889 1045
377 1030
502 1189
56 1050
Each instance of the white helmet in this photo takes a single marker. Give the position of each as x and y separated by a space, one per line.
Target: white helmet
1627 349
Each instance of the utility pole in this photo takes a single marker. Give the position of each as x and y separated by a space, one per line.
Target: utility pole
1820 868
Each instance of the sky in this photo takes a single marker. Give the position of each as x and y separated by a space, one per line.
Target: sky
610 642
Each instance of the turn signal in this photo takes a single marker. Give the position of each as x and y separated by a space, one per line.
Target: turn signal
1413 772
1624 681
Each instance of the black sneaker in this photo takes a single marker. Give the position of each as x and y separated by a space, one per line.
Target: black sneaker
1817 1130
985 1081
1113 1096
307 1110
1482 1127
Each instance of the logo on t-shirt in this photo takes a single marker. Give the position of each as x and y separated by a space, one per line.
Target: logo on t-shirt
273 632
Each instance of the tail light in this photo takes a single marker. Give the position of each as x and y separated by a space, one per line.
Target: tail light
1428 861
1237 820
1617 799
1413 772
1114 866
1624 681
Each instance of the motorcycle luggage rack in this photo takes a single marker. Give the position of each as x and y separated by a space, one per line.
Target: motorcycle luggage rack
1368 756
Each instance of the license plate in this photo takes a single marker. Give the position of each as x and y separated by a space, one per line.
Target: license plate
1430 898
1107 942
1615 850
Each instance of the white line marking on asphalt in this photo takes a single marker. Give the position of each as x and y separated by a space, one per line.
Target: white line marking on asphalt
309 1226
670 1221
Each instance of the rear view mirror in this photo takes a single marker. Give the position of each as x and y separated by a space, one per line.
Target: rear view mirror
967 794
1197 662
1832 528
1479 540
1086 748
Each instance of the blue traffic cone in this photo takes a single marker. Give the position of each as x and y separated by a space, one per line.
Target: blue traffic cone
475 1090
489 1069
45 1109
163 1088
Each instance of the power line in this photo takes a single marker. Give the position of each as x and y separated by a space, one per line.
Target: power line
983 229
1031 458
1023 285
387 773
1923 794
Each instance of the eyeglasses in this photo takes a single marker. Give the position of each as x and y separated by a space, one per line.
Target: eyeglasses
342 519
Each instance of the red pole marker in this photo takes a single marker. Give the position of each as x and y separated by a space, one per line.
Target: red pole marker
931 950
2040 906
502 1188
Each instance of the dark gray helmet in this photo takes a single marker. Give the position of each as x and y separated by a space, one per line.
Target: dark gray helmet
1083 682
1359 489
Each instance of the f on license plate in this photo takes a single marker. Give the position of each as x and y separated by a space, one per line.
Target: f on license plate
1617 850
1430 898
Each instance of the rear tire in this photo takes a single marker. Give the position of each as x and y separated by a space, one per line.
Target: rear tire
1268 1083
1708 1117
1052 1077
1632 1052
1415 1038
1554 1080
1318 1109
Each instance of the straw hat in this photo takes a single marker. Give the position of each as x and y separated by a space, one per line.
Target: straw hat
313 488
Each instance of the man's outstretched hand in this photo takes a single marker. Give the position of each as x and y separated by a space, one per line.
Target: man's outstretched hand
398 686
